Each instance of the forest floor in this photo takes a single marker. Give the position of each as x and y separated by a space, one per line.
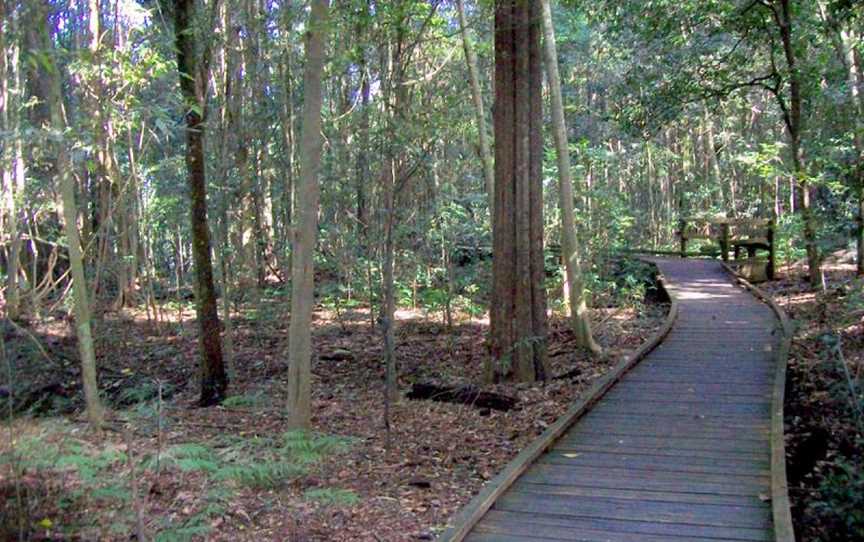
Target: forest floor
824 401
176 472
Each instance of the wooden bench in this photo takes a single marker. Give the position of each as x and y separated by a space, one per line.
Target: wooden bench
735 235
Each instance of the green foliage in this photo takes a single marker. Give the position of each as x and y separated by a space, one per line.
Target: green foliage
248 400
258 462
191 456
847 386
305 447
332 496
629 282
788 237
56 453
840 501
266 474
141 391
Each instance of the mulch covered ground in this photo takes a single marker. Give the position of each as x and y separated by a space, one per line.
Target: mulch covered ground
231 472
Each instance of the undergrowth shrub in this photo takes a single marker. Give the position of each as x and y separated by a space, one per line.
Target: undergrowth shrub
839 504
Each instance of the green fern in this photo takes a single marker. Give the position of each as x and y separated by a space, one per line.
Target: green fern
305 447
247 400
332 496
189 457
265 475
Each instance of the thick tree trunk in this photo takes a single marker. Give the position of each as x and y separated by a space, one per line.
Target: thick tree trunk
486 157
518 311
578 304
302 280
83 332
214 380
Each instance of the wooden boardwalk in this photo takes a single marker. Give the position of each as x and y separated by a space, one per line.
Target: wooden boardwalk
678 450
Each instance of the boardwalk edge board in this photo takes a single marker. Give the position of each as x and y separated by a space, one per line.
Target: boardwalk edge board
780 506
461 524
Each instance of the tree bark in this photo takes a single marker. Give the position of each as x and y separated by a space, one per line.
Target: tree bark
302 281
214 380
794 125
10 164
575 287
83 332
518 312
486 157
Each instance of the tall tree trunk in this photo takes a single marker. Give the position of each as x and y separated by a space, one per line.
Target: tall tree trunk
9 164
713 163
214 380
288 188
302 279
37 25
518 311
857 67
486 157
363 175
795 127
578 304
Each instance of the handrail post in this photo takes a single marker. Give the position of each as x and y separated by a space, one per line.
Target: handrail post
724 241
683 234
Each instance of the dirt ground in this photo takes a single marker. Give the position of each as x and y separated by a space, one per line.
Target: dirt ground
175 472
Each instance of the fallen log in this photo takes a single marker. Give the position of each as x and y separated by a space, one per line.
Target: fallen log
466 395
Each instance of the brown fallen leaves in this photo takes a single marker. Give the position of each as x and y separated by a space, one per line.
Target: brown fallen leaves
441 454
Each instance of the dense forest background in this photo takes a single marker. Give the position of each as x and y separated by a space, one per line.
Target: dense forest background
374 121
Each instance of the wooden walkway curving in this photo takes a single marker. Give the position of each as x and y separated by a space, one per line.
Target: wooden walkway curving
678 450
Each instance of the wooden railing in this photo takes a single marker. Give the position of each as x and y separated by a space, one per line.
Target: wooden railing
734 235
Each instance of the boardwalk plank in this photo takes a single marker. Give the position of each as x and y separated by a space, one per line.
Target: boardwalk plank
674 532
714 515
647 462
751 501
679 450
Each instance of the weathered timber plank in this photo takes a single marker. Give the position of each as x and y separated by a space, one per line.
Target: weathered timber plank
520 531
752 501
749 411
567 472
656 463
712 389
631 527
781 508
698 429
684 396
615 448
681 443
715 515
658 426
